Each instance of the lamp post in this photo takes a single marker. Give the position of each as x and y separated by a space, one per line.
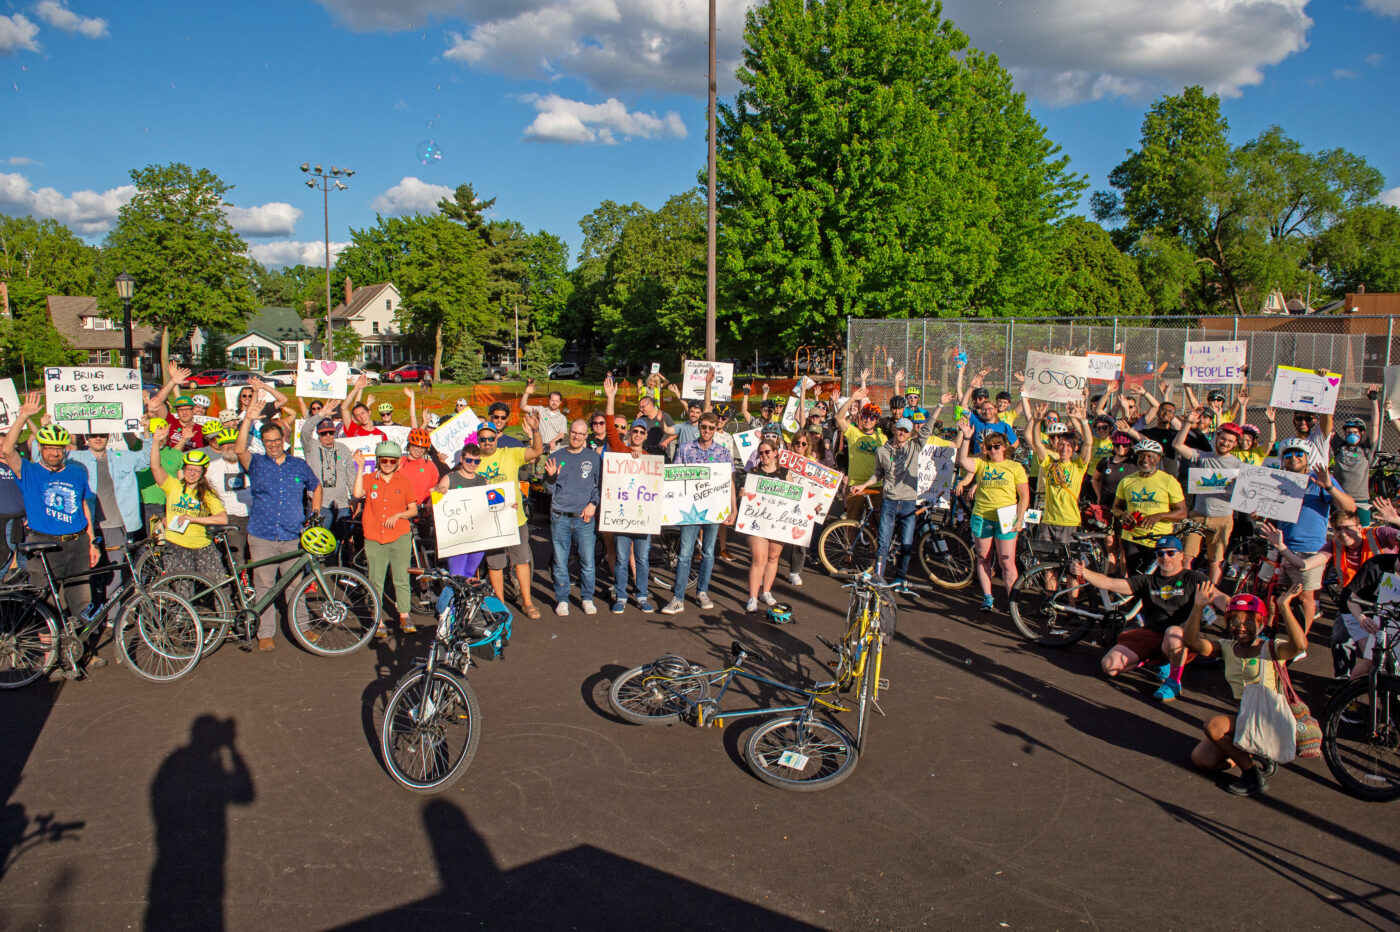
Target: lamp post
125 284
326 183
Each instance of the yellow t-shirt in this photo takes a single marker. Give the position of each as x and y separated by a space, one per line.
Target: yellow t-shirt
1253 457
860 448
504 466
1009 417
996 486
1102 448
1061 482
180 500
1150 495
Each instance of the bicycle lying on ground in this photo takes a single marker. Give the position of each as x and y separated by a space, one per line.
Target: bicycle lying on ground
1361 724
432 723
848 546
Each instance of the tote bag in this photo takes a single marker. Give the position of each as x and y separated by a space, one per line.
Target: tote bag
1265 726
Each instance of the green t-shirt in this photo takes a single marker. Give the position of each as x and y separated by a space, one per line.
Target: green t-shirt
171 460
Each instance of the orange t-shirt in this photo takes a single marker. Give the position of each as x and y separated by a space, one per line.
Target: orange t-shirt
384 497
423 474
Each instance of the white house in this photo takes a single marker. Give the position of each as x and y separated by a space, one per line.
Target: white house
273 335
370 311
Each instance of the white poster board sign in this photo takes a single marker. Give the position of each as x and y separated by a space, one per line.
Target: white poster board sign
1269 493
746 446
693 381
231 397
1105 367
9 403
937 469
395 433
1389 589
775 510
791 423
821 482
322 378
1055 378
476 519
1201 481
449 436
696 493
1215 362
631 495
1304 390
94 400
363 445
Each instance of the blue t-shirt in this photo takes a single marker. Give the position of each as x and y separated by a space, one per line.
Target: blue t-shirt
1309 533
11 498
278 496
980 426
53 501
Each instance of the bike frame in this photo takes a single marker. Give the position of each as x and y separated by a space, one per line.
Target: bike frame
724 677
302 560
108 606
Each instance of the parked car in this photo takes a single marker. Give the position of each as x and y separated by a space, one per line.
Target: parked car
206 379
497 372
565 370
238 378
412 372
370 375
280 377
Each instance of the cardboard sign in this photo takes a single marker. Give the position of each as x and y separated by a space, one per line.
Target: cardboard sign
1054 378
395 433
475 519
1105 367
693 381
449 436
94 400
1389 589
9 403
938 471
1304 390
822 482
631 502
775 510
1201 481
1269 493
696 493
1392 383
746 446
322 378
1215 362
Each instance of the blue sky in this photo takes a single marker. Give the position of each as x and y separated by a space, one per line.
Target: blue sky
554 105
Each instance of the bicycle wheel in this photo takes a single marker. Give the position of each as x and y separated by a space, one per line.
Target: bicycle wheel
1040 615
210 602
793 754
159 636
847 547
431 730
947 559
335 619
1366 765
646 699
1241 562
29 636
866 694
148 567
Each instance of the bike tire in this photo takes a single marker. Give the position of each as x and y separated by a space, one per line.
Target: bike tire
645 703
149 566
1241 563
24 621
210 602
846 547
1034 612
1366 766
338 622
865 695
826 755
415 748
947 559
159 635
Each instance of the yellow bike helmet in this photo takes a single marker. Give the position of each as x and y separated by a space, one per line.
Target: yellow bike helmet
225 436
386 408
318 540
54 436
197 458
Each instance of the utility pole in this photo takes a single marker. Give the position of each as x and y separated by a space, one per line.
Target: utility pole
326 182
710 207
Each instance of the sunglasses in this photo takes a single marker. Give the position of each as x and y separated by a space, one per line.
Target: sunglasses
767 452
489 438
1293 454
472 460
707 427
500 417
1167 553
598 423
388 461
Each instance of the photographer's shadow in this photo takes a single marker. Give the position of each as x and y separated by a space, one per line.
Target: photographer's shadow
190 796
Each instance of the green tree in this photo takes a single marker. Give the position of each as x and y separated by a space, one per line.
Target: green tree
546 281
39 258
1093 276
191 269
29 342
543 352
292 286
442 278
464 365
1362 249
874 165
602 228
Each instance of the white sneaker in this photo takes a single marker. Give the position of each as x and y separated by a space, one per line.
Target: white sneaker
589 608
562 608
752 606
673 607
704 599
795 579
768 599
1301 655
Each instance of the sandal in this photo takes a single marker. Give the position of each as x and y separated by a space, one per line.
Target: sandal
406 625
530 611
381 631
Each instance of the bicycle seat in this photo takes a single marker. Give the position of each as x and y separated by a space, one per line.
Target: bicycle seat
29 548
735 649
216 530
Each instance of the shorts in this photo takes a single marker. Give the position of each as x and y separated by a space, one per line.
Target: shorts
517 554
1216 536
1059 533
1311 579
1147 645
983 528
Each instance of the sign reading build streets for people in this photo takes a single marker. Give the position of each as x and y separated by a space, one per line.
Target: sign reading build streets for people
94 401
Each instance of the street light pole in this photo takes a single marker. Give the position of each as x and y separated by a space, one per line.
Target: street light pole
326 183
710 207
125 284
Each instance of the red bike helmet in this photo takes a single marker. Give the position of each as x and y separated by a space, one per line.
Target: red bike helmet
418 437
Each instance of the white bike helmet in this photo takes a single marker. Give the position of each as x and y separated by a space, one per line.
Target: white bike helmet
1147 446
200 401
1056 429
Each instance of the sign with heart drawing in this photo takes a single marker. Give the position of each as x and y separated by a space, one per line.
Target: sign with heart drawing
1313 390
323 378
775 510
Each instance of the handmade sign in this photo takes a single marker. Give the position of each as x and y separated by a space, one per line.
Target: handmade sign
1055 378
937 469
9 403
791 422
1105 367
231 397
821 481
1215 362
1006 518
94 400
696 493
1201 481
1389 589
1269 493
449 436
475 519
322 378
775 510
746 446
631 494
693 381
363 445
1304 390
395 433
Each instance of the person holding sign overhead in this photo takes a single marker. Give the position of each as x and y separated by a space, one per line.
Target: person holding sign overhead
1147 505
1064 469
1210 508
1002 488
1308 534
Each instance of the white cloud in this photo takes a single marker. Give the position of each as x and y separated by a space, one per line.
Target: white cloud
60 17
1342 74
1383 7
1375 58
289 252
564 120
1391 197
17 34
272 219
411 196
85 212
22 160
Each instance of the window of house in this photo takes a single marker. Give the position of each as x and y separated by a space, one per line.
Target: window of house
388 304
374 327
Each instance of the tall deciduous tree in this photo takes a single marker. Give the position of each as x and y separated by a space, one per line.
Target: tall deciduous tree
39 258
1092 276
442 278
1363 249
191 268
293 286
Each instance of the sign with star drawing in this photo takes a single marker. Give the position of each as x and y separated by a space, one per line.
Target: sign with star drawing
322 378
696 493
631 494
775 510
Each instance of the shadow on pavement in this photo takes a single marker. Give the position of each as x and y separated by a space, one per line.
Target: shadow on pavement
26 712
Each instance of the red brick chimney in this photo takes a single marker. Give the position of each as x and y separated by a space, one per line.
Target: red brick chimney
349 290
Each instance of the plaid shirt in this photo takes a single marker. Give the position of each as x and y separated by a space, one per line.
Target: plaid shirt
692 452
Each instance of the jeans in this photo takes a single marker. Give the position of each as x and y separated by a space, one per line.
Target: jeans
332 516
892 513
566 530
689 532
627 544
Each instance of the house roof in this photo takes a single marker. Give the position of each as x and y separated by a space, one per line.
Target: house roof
278 324
362 298
66 312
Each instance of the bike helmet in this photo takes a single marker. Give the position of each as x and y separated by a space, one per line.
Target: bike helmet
1247 603
433 421
1295 445
1216 394
54 436
670 665
1147 446
721 409
780 614
386 408
200 401
225 436
1120 438
1233 429
197 458
418 437
1056 429
1249 429
153 425
318 541
387 450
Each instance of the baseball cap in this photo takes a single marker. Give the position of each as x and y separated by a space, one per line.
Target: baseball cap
184 401
1170 542
904 424
1245 602
980 393
641 422
326 427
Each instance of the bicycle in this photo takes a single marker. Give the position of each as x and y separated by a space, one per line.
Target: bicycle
1361 724
795 752
432 720
333 610
157 634
847 547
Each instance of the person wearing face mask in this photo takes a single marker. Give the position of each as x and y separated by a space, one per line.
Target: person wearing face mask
1351 460
1147 504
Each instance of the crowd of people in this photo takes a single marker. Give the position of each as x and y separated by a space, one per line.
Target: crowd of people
190 471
